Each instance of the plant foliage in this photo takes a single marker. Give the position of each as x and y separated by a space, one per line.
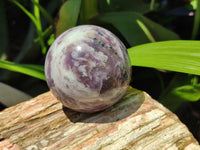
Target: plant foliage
150 43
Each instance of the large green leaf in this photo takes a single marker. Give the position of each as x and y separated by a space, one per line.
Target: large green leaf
32 70
88 10
131 25
140 6
178 55
68 16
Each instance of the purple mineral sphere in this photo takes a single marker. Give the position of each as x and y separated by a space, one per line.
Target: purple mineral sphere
87 68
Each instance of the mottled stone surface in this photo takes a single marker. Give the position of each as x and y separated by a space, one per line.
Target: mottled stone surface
87 68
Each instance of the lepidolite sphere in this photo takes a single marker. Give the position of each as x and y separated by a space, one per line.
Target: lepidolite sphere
87 68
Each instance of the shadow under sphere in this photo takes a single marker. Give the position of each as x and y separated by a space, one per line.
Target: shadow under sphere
126 106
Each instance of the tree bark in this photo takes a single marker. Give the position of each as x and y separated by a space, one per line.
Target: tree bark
135 122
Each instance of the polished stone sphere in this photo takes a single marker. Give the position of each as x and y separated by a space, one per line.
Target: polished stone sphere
87 68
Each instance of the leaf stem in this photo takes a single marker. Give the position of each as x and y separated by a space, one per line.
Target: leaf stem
152 5
43 11
146 31
45 33
35 19
39 26
196 21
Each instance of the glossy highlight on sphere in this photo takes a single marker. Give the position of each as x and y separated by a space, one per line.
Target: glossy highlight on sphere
87 68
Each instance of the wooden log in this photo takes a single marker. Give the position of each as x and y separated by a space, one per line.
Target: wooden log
135 122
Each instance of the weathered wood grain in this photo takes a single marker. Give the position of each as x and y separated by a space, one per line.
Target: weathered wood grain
135 122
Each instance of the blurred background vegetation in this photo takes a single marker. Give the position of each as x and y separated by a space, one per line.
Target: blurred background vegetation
28 28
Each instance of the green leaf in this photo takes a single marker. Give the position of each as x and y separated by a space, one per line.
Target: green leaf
194 4
196 21
68 16
31 70
152 5
188 92
108 2
127 24
51 39
35 19
182 87
39 25
179 55
43 11
46 33
88 10
139 6
146 31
